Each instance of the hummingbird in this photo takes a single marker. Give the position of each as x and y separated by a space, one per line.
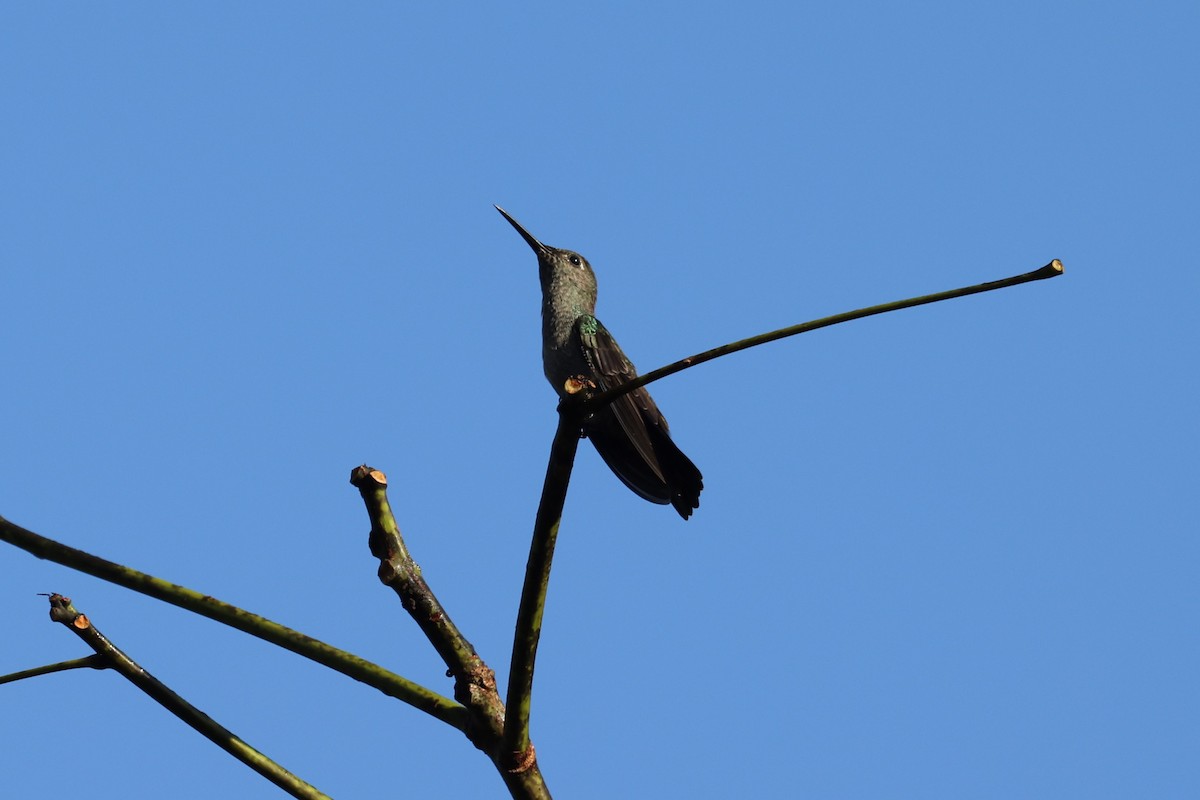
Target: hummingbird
630 433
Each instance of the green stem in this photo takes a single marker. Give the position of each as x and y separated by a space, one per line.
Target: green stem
537 581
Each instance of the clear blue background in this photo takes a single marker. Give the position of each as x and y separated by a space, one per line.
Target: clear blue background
944 553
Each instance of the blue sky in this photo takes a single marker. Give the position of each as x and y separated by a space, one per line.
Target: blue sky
948 552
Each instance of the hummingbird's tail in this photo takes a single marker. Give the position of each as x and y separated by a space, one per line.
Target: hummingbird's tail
633 439
683 479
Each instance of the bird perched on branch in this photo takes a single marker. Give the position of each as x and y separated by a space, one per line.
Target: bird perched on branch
630 433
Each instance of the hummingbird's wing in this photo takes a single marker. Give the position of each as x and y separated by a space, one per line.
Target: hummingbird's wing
633 413
631 434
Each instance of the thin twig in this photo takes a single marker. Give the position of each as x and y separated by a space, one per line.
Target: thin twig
62 611
87 662
1051 270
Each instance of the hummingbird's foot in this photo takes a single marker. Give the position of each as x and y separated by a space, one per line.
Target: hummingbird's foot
576 391
578 383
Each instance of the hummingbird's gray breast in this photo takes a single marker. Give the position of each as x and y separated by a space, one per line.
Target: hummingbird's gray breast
562 355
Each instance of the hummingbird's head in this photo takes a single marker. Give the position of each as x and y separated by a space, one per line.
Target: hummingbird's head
561 271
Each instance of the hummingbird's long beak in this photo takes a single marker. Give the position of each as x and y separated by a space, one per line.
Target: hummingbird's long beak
537 246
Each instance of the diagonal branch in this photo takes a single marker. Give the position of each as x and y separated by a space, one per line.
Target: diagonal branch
474 681
1051 270
398 570
348 664
62 611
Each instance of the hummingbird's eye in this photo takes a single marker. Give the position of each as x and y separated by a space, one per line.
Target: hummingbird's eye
574 259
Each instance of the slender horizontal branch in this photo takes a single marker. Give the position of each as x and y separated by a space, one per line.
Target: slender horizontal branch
348 664
1051 270
87 662
63 612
